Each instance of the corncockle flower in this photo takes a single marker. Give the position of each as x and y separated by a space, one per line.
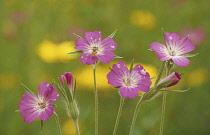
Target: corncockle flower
67 78
129 81
32 107
174 77
174 50
95 49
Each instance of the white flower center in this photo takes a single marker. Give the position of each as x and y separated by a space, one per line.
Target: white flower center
42 105
129 81
95 47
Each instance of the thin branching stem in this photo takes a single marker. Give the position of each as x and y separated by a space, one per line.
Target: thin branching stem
122 99
96 99
163 106
136 114
58 123
77 127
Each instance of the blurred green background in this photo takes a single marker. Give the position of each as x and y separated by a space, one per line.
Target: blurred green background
35 36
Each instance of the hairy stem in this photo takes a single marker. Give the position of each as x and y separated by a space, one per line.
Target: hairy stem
135 115
58 123
164 104
96 99
122 99
77 127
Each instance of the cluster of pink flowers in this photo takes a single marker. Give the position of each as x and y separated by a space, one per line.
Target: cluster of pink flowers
129 81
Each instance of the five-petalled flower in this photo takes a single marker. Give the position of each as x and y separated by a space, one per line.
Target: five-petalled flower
95 49
174 49
32 107
130 82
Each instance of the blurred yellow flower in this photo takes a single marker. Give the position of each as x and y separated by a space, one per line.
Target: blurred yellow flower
84 77
69 128
197 77
143 19
8 80
54 53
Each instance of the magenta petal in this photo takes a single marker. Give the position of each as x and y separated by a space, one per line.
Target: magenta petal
28 101
143 87
171 38
46 113
185 45
109 44
94 36
114 79
160 50
43 86
107 57
120 68
51 94
81 44
30 115
87 58
128 92
181 61
157 47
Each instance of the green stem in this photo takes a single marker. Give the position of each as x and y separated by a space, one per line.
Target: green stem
136 114
122 99
58 123
77 127
164 104
96 99
163 112
160 73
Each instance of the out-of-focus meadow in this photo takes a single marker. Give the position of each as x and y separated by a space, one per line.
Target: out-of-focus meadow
35 36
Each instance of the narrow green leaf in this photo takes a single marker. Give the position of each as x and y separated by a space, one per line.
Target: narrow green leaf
149 49
190 55
76 52
74 89
77 36
162 85
42 125
113 33
118 57
55 105
61 90
152 78
67 91
177 90
17 110
131 66
163 31
117 87
27 89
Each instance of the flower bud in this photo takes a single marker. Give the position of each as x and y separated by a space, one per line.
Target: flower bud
67 78
173 79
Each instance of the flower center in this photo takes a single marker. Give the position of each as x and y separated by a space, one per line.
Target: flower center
127 82
42 105
171 51
94 51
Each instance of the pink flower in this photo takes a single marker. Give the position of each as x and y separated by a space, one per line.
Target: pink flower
174 49
67 78
95 49
174 77
129 81
32 107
